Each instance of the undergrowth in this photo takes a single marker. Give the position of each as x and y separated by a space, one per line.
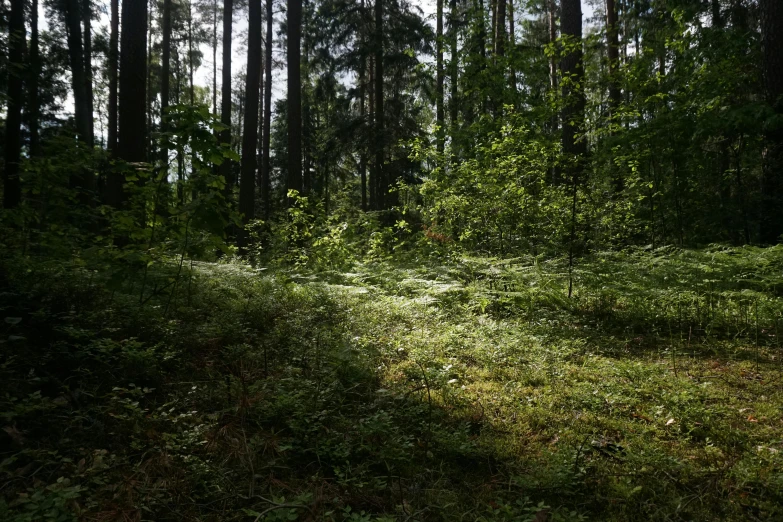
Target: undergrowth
471 389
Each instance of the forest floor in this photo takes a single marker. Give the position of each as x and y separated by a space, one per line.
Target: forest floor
473 389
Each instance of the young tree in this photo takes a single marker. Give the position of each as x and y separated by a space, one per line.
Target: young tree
12 189
294 95
133 94
250 137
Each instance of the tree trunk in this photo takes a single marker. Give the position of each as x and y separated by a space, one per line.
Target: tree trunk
165 85
371 126
384 184
362 108
572 71
266 176
89 108
214 56
454 73
772 184
294 95
225 96
500 29
512 40
113 66
133 95
247 181
190 53
12 187
613 52
440 116
78 77
33 85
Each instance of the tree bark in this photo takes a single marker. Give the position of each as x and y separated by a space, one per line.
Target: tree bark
362 107
266 177
440 115
500 29
133 94
384 184
89 101
33 83
613 53
247 181
225 96
12 187
294 95
454 73
165 80
512 40
572 70
772 169
78 77
113 66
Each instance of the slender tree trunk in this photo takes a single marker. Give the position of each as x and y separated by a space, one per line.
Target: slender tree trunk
89 101
266 177
772 184
133 94
380 139
225 97
573 74
214 55
512 40
78 76
33 83
362 108
440 115
613 52
190 53
247 182
454 72
150 95
113 66
12 187
371 122
165 79
294 95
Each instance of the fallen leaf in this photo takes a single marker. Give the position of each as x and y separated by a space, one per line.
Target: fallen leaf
670 422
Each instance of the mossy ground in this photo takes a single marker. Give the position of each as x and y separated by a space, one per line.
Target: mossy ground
467 389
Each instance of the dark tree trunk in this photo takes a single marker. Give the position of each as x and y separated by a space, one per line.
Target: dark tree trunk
113 66
373 181
500 28
440 114
294 95
362 107
382 198
613 53
78 76
772 184
133 93
12 187
454 73
225 97
266 177
165 80
190 53
33 83
512 40
573 74
247 181
89 102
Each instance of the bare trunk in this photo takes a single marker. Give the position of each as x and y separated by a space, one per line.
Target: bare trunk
384 184
225 98
439 95
113 66
266 183
772 184
294 95
33 85
165 79
12 187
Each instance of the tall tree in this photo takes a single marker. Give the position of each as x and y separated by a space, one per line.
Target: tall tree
225 96
12 188
113 65
613 54
294 95
500 28
440 116
772 177
362 101
88 90
133 94
266 165
380 139
247 182
165 78
34 82
454 67
73 20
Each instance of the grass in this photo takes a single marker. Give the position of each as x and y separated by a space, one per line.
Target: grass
472 389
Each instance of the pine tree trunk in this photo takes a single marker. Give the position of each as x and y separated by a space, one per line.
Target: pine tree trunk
89 101
133 94
371 123
362 107
113 66
266 177
500 29
383 183
226 169
613 53
165 79
440 115
512 40
572 70
78 77
33 84
294 96
454 73
12 187
772 184
247 181
214 55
